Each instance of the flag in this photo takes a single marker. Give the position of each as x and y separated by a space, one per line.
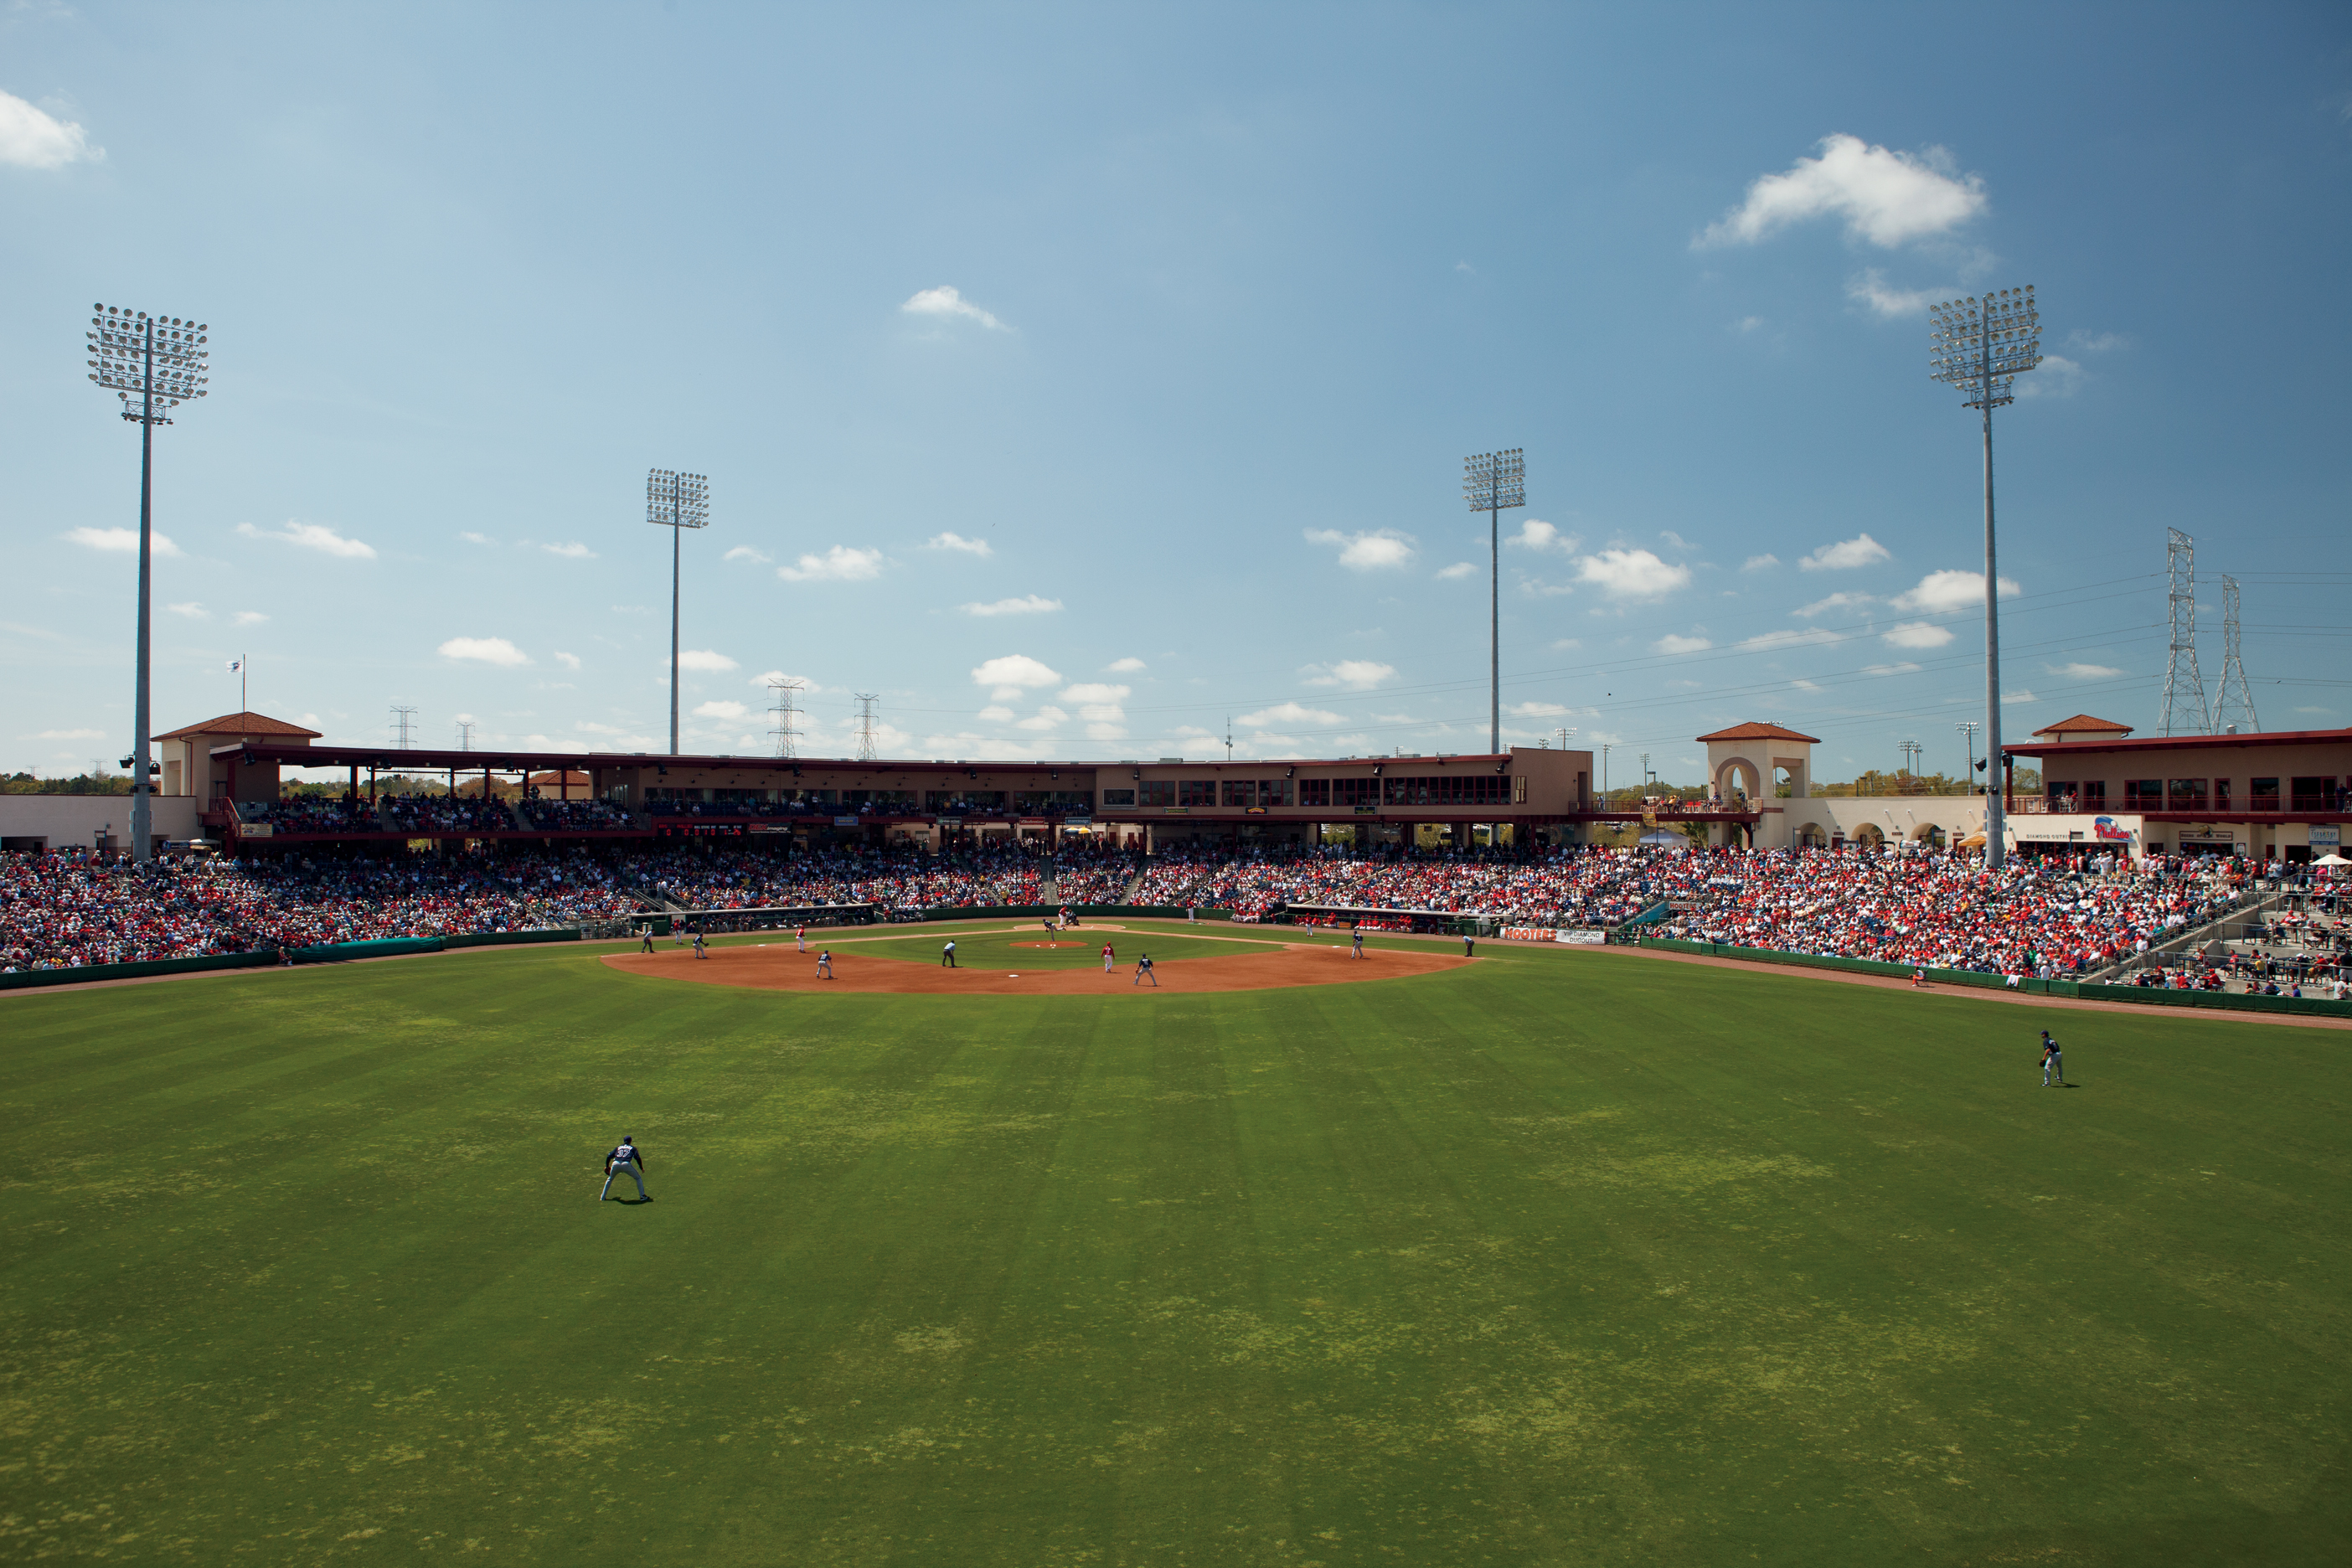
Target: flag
235 665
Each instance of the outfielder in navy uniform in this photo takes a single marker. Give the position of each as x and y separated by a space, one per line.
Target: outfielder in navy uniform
625 1159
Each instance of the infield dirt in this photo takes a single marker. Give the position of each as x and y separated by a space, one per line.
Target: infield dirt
778 969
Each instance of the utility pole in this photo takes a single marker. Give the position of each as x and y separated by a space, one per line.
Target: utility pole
2234 693
786 709
865 701
1968 729
2184 687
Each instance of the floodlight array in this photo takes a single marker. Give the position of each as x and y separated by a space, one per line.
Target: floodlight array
1492 479
1982 345
677 500
138 356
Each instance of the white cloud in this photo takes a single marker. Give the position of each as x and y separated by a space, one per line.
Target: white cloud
1537 535
118 540
1904 667
32 139
484 650
576 551
1632 574
1013 674
1747 323
2090 343
1094 692
568 660
1759 562
1844 557
192 609
958 541
767 676
2082 671
720 709
1787 637
1027 604
1538 711
709 662
66 735
1870 288
745 552
315 536
1941 591
997 715
1124 666
1366 551
1834 602
472 538
1675 643
1884 197
1352 674
1805 684
1917 634
2008 697
247 618
842 563
948 302
1047 717
2058 377
1289 713
1459 569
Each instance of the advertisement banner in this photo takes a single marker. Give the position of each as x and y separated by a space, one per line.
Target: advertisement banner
2329 834
1583 936
257 830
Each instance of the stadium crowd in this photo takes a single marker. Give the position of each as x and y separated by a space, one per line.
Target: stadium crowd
67 911
2047 916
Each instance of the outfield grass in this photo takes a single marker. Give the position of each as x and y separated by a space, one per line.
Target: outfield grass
1563 1257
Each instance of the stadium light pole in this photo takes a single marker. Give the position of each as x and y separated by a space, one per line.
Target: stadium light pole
1968 729
676 502
1491 481
1981 345
154 364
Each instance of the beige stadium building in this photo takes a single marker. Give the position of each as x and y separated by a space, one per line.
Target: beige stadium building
2280 796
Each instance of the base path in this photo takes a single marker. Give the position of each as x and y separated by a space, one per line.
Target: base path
781 969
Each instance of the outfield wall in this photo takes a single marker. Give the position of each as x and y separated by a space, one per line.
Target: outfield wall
2143 996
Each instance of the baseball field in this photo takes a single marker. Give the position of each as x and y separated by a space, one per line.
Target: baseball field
1556 1257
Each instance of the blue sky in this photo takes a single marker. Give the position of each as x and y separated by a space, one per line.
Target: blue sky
1078 379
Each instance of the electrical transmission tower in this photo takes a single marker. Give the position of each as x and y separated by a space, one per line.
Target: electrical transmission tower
2185 712
2235 697
865 701
465 734
403 726
786 709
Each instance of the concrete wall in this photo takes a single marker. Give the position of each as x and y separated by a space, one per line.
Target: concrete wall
75 821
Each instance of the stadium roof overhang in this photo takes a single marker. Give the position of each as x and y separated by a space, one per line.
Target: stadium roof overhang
2179 742
420 760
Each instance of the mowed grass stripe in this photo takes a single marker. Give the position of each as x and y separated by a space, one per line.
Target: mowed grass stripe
1560 1257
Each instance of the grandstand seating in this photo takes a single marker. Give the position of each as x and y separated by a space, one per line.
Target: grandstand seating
2056 917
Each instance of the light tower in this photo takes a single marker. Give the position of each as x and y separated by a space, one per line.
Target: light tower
1968 729
1491 481
1911 750
1981 345
676 502
2234 693
154 364
2184 687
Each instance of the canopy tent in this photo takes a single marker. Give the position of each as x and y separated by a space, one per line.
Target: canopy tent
1973 841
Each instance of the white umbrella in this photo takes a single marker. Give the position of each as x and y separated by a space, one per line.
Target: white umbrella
2332 858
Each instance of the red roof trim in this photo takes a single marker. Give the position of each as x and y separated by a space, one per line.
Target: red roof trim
240 724
1755 731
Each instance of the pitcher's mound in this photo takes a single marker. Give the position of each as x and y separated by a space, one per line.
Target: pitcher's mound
780 969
